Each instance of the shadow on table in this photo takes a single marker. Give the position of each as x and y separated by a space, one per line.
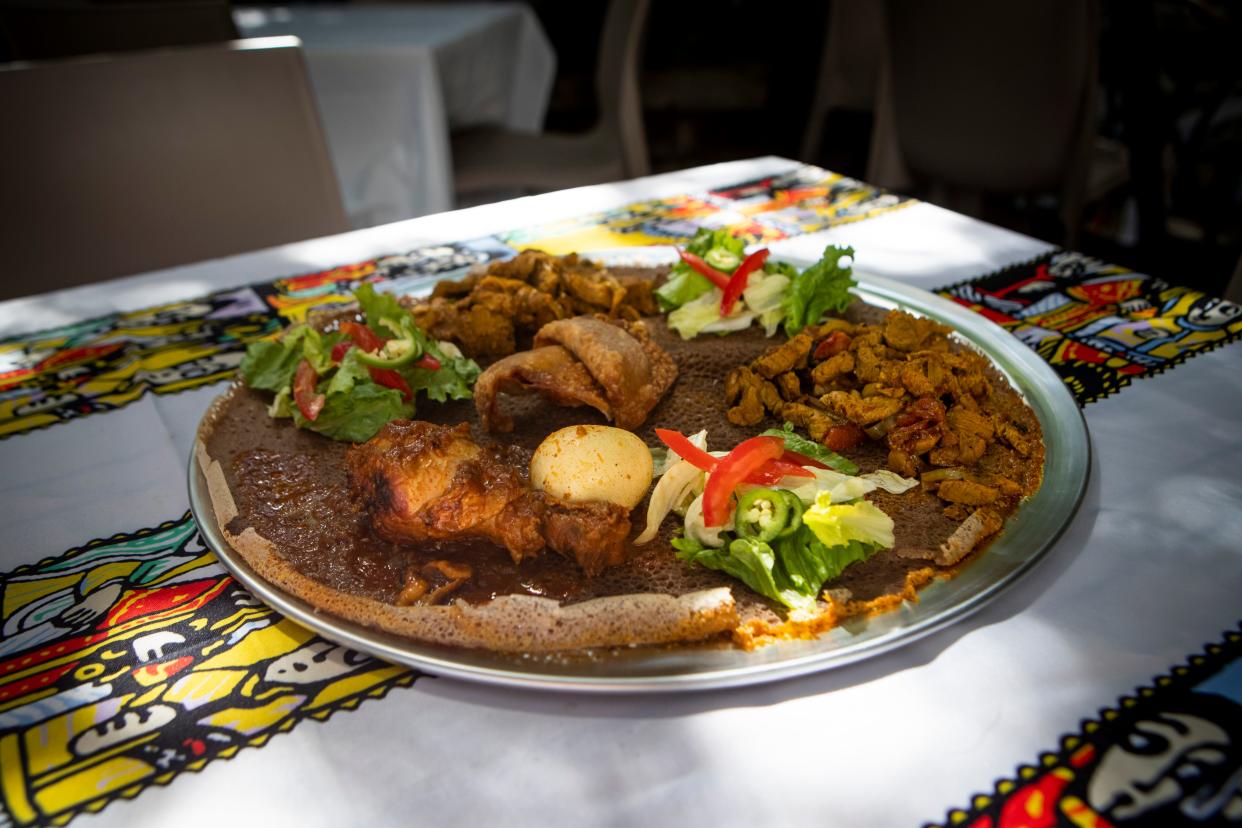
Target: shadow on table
1011 602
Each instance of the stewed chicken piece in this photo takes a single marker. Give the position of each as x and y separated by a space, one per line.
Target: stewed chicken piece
425 482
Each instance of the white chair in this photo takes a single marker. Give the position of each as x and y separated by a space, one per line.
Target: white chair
495 160
135 162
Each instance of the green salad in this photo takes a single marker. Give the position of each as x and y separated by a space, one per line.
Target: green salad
347 383
781 521
717 288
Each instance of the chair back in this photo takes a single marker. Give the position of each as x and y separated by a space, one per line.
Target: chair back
993 96
121 164
616 80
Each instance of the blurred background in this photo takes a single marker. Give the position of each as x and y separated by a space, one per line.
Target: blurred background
1113 126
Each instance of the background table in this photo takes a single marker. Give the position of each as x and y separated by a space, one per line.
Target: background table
391 81
1149 571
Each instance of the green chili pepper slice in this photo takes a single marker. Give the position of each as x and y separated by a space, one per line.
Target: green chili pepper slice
762 514
394 353
794 523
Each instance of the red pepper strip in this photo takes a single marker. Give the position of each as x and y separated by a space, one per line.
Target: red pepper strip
748 457
778 468
801 460
737 282
770 474
686 450
713 275
428 362
309 403
389 378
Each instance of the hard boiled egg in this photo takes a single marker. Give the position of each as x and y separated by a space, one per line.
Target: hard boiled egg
593 462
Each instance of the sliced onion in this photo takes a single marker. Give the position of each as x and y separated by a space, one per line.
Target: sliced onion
938 475
681 481
882 428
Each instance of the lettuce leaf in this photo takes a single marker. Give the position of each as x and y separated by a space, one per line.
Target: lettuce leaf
377 306
358 414
806 564
751 562
791 572
822 287
269 365
810 448
452 382
839 524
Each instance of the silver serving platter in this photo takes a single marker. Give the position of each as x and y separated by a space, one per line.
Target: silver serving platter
1027 537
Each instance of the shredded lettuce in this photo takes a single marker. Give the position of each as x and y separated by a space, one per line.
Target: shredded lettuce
838 524
703 316
765 296
822 287
842 487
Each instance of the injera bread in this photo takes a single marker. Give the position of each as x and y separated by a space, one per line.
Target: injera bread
654 598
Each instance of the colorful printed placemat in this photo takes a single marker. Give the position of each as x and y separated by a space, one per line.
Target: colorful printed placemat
106 363
1170 754
1099 325
130 660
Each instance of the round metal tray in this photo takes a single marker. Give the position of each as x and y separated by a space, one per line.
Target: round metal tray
1027 537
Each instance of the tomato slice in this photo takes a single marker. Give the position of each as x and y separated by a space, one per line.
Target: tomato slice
835 343
339 350
749 456
309 403
737 282
428 362
713 275
363 337
389 378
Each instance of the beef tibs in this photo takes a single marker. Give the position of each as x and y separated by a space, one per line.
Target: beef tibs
610 365
425 482
935 406
495 310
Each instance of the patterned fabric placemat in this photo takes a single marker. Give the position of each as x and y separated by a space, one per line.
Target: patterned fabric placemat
132 659
1169 754
1099 325
106 363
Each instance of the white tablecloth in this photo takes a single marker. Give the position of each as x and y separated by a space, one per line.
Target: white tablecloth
1149 570
392 80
